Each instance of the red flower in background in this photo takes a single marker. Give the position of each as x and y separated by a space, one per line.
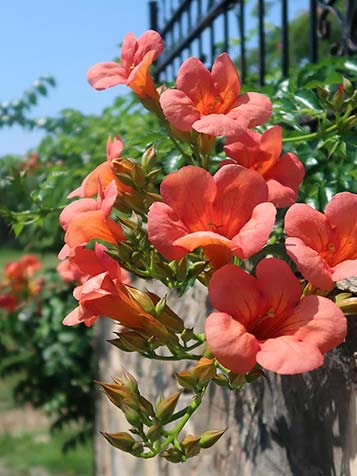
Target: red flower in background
137 55
262 320
210 102
8 301
225 214
261 152
324 246
23 268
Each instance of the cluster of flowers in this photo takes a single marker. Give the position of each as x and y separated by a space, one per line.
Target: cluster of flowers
264 316
19 283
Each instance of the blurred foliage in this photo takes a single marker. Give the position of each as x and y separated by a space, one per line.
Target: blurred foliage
54 363
17 111
316 107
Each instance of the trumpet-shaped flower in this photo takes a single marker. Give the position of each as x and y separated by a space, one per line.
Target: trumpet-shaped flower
104 173
86 219
324 246
137 55
210 102
105 294
261 152
225 214
263 320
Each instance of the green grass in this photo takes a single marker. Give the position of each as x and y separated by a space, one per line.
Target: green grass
24 454
38 452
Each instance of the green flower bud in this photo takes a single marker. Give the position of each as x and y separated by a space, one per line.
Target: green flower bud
122 440
186 379
173 455
166 407
209 438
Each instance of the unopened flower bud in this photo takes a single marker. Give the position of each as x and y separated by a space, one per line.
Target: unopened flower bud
173 455
148 157
196 268
204 370
132 416
348 305
221 380
125 179
186 379
138 175
154 432
130 341
166 407
143 299
209 438
237 381
167 316
122 440
191 446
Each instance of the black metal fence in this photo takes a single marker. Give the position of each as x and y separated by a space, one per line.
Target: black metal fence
206 27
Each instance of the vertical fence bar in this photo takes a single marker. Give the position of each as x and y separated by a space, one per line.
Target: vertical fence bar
189 26
241 21
313 31
284 38
226 31
200 43
153 15
261 34
212 41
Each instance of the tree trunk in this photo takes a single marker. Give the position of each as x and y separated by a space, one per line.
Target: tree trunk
302 425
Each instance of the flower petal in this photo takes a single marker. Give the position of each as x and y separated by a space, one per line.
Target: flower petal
278 284
255 233
90 225
75 209
311 226
114 148
194 79
255 107
150 40
236 292
317 321
190 192
230 343
310 264
226 80
104 173
220 125
284 180
200 239
106 75
344 270
164 227
341 213
239 190
140 80
179 109
286 355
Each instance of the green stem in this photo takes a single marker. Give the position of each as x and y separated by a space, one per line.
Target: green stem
190 409
186 415
181 356
313 135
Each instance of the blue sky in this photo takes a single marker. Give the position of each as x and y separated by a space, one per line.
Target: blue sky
63 38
